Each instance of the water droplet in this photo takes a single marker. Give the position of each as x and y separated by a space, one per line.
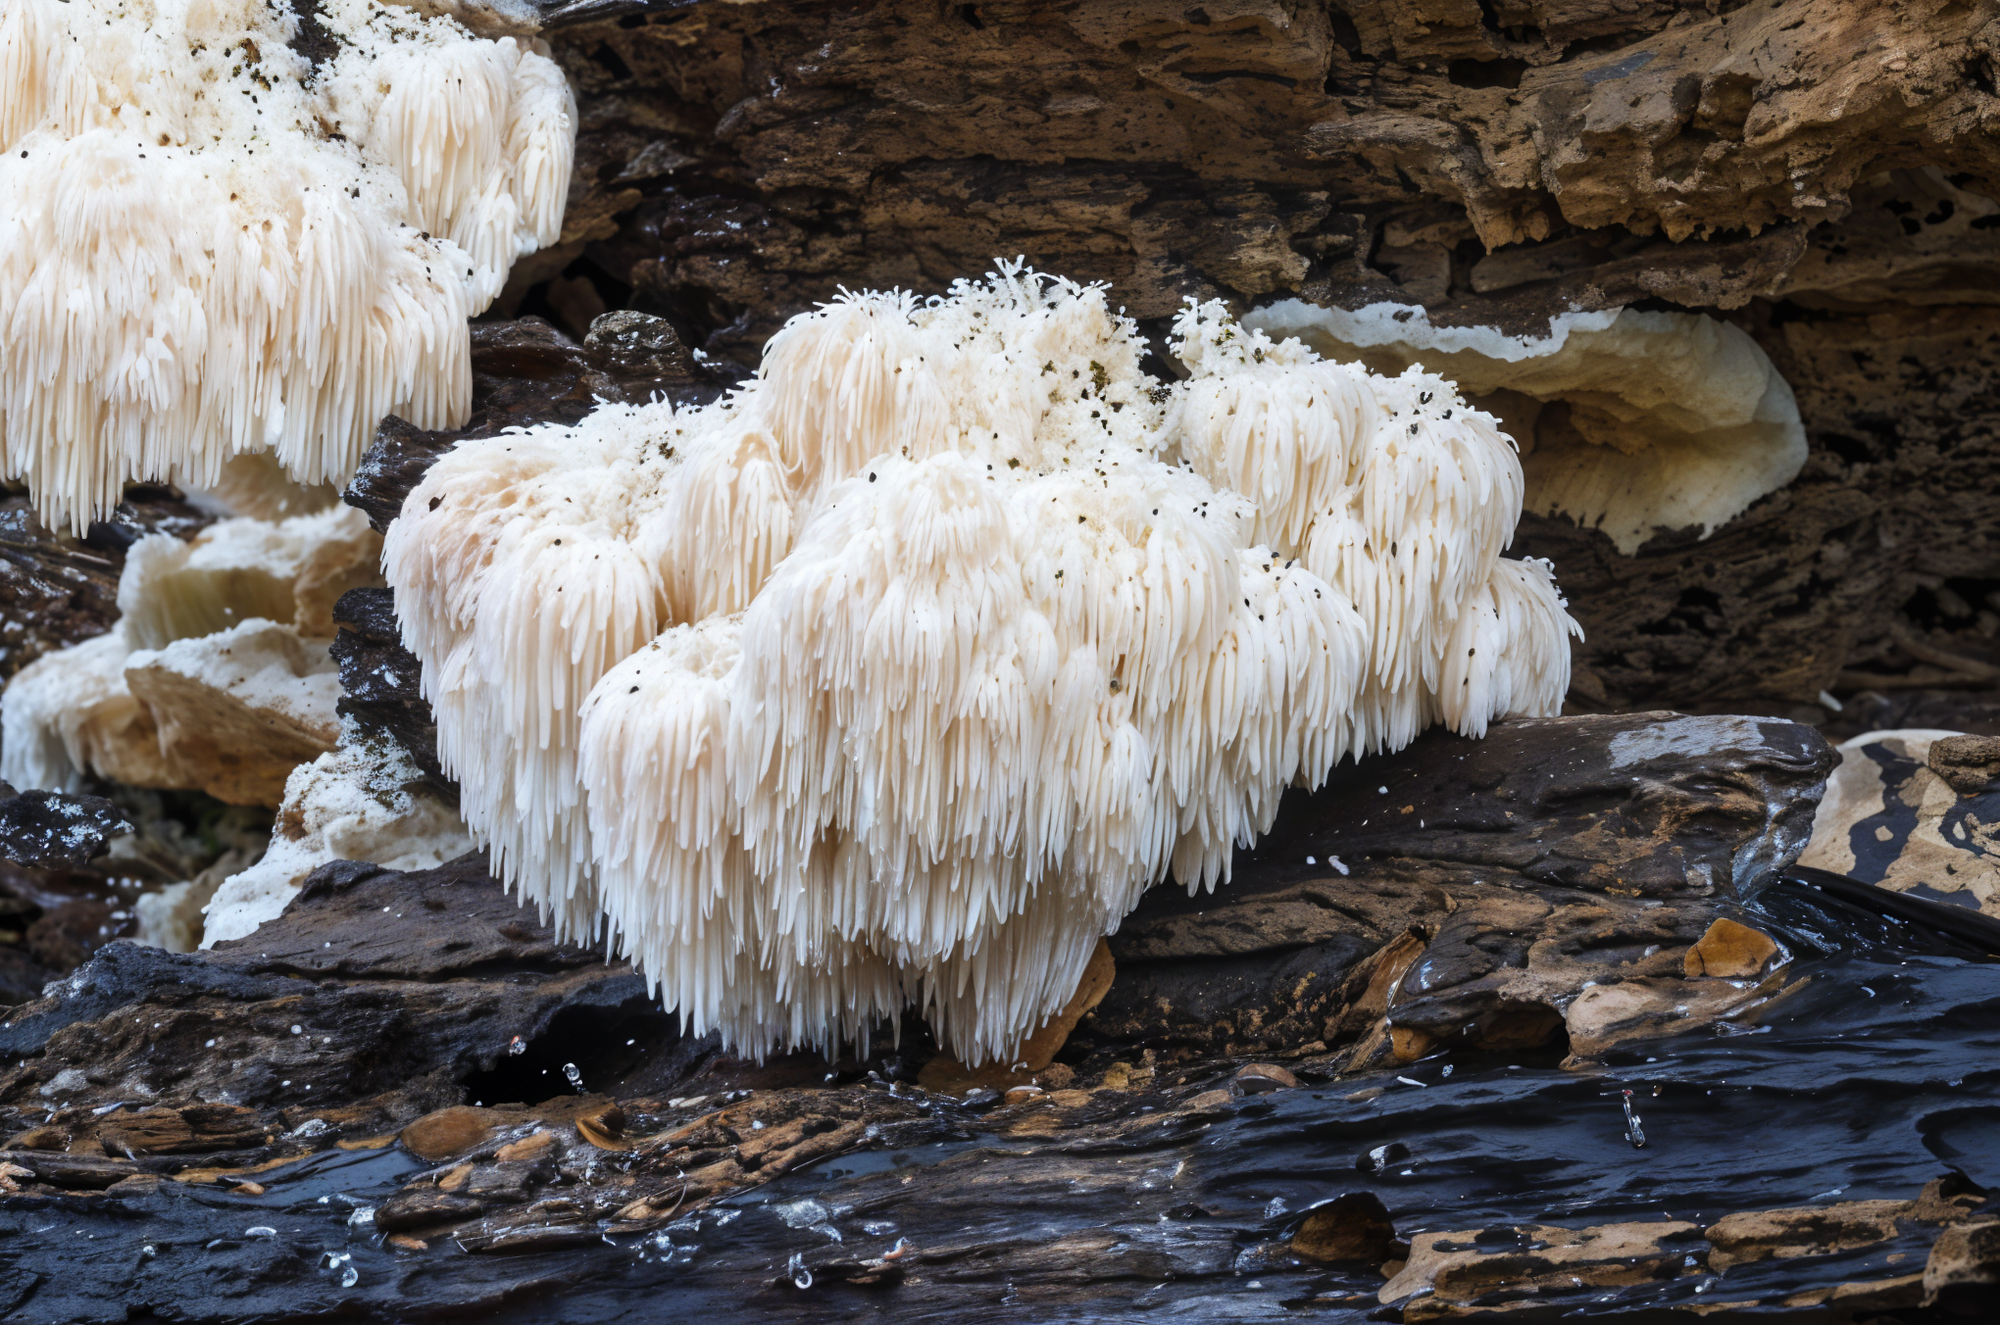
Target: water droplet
802 1214
1632 1130
575 1077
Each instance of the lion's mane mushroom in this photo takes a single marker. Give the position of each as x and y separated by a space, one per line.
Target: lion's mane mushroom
209 246
1630 422
896 677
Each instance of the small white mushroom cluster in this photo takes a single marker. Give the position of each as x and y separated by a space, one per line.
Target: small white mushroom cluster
896 677
208 247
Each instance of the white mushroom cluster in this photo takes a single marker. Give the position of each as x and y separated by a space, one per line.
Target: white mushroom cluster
210 247
897 676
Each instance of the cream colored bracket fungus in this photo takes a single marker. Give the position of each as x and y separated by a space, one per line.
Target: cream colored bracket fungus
896 677
210 247
217 674
1630 422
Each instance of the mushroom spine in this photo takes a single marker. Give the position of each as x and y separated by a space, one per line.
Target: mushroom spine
897 676
210 246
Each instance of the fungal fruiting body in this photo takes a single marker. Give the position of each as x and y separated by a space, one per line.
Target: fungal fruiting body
211 245
363 800
1670 421
897 676
217 674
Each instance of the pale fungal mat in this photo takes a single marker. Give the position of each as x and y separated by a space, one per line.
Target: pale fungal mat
211 247
896 677
216 676
1629 422
365 800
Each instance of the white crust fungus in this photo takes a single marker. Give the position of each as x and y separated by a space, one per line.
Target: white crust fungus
291 571
1669 420
171 918
69 714
236 711
897 677
362 801
209 247
217 674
